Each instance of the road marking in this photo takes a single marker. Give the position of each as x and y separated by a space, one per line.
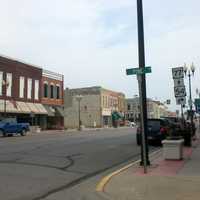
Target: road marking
104 181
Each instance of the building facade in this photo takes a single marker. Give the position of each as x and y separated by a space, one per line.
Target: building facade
97 107
53 99
20 94
155 109
28 92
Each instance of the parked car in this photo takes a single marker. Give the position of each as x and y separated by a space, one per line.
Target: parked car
158 130
132 124
13 128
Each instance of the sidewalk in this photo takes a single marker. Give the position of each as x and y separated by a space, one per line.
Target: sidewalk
166 180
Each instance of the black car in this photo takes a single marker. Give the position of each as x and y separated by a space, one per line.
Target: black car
158 130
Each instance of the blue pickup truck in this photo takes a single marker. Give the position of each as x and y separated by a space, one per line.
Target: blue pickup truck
13 128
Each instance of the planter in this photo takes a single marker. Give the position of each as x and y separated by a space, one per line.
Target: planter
173 149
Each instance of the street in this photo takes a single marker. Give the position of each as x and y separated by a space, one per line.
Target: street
36 166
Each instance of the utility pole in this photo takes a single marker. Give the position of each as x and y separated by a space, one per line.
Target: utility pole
142 87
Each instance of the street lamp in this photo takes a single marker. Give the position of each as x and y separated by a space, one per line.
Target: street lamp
79 98
5 84
189 70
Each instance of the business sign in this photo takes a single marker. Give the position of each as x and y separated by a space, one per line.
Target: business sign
179 91
178 72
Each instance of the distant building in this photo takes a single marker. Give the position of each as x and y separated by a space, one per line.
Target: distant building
132 112
98 107
155 109
22 93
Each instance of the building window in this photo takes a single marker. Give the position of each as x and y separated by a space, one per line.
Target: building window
45 90
129 107
9 84
29 88
1 82
57 91
51 91
21 87
36 90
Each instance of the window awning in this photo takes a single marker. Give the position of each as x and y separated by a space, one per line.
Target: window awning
50 111
22 107
60 111
116 115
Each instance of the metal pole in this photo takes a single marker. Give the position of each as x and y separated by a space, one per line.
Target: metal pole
190 90
79 115
182 116
142 85
191 112
5 90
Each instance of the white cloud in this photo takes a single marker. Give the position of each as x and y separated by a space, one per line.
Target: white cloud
92 42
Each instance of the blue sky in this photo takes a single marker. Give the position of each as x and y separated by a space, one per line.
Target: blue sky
92 42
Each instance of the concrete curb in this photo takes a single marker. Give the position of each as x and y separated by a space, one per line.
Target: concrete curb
104 181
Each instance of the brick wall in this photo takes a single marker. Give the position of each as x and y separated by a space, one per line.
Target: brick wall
20 69
48 100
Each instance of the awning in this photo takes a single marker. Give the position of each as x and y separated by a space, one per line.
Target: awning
60 111
22 107
116 115
50 110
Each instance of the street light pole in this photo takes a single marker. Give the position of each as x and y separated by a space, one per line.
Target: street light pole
79 98
190 70
142 87
190 91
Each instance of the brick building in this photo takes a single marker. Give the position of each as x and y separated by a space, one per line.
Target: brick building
22 93
52 98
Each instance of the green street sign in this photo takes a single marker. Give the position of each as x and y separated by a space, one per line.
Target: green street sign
134 71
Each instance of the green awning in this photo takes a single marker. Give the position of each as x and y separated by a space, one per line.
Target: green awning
116 116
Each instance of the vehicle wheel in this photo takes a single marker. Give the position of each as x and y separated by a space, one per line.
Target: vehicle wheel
23 132
2 133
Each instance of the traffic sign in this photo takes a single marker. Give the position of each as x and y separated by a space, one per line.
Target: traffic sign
179 91
180 101
138 71
178 72
178 82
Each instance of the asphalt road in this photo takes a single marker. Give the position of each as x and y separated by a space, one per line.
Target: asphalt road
37 166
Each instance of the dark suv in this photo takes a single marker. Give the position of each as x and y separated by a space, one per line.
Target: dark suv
158 130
